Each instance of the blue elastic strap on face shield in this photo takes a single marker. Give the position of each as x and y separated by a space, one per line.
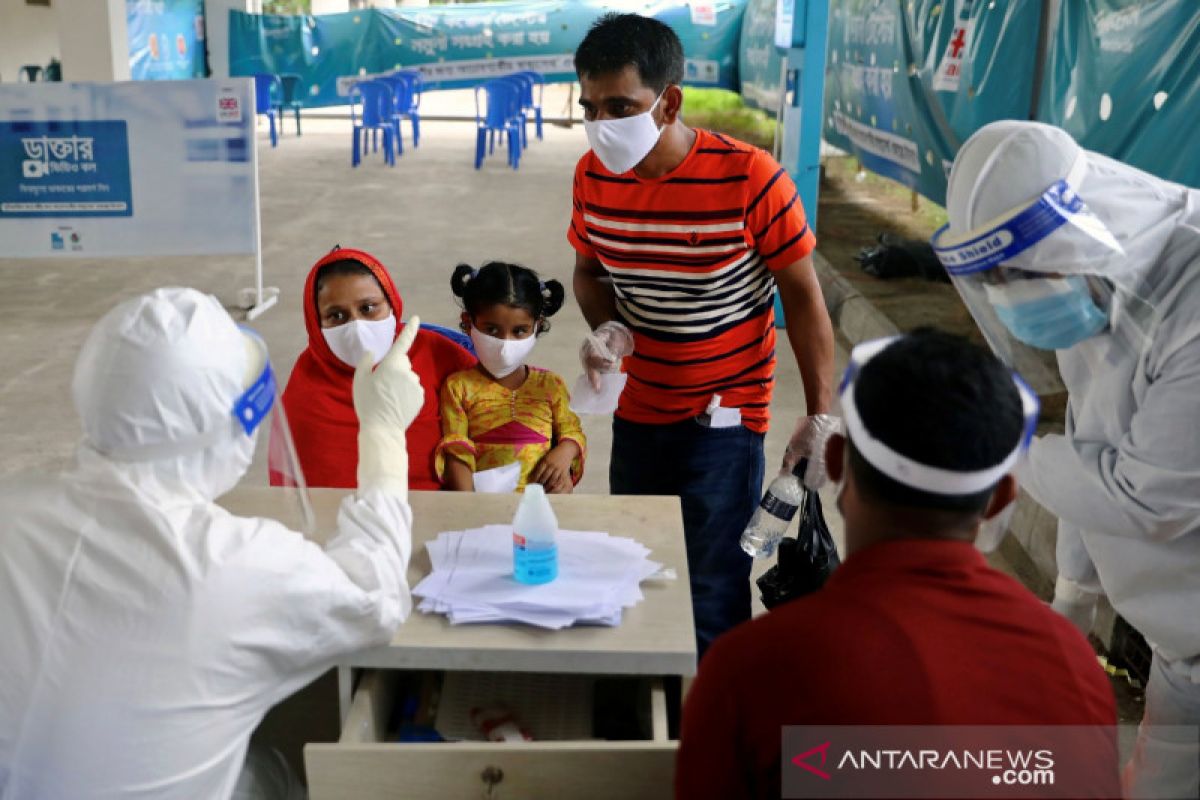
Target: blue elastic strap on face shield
256 402
1011 237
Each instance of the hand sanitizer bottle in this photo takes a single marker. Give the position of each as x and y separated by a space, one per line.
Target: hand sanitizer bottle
535 551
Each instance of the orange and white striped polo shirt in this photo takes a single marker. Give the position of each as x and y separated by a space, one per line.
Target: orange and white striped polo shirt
691 255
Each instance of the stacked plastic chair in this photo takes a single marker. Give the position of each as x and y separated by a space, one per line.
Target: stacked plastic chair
265 87
528 102
502 116
378 114
411 108
289 99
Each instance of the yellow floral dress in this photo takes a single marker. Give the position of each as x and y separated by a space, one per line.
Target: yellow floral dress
486 425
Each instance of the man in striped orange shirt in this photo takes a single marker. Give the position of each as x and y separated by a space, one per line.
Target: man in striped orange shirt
682 237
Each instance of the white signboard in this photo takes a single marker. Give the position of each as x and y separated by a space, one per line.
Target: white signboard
128 169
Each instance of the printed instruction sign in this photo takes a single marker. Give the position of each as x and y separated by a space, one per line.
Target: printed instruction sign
65 169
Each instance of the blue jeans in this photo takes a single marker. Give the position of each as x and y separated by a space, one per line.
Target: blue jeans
717 474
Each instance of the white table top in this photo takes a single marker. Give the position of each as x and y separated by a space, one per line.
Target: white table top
656 637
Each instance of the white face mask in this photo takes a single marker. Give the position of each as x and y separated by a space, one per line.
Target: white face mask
621 144
501 357
351 341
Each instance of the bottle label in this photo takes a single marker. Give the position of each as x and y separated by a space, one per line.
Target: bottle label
778 508
534 564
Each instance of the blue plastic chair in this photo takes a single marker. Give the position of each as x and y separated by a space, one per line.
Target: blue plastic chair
378 114
412 108
524 87
289 99
539 81
502 116
401 99
458 337
265 84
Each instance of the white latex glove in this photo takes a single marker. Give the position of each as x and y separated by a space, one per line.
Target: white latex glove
808 441
603 350
387 400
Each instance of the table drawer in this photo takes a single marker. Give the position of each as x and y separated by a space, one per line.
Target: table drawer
362 766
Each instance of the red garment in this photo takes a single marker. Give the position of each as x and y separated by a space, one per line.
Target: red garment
320 404
912 632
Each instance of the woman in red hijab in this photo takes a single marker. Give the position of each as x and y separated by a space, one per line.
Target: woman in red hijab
351 307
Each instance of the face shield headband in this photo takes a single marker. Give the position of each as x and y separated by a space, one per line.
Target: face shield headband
902 469
1016 231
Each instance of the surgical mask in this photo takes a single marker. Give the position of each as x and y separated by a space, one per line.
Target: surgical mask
501 357
621 144
1048 313
350 342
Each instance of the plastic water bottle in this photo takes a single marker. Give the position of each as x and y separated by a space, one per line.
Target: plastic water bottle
535 528
775 511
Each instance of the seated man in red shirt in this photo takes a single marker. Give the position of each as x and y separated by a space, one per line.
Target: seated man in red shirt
914 628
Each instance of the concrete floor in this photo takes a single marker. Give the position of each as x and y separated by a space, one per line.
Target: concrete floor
420 218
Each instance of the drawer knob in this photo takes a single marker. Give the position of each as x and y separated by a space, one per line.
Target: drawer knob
491 777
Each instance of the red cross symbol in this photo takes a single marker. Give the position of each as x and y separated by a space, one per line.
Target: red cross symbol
958 42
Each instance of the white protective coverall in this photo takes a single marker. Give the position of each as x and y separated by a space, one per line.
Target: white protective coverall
1124 480
146 631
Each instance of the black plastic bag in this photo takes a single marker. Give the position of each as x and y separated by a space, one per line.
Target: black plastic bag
896 257
804 562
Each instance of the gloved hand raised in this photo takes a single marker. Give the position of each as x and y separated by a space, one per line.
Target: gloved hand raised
387 400
808 441
603 350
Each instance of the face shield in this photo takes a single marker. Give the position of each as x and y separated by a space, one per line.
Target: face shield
1025 277
261 403
925 477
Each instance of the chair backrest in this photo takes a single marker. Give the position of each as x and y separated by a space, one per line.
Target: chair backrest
524 85
401 91
538 79
30 72
503 102
458 337
379 105
413 84
290 85
264 84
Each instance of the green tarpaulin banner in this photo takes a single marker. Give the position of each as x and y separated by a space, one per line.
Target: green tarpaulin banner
464 45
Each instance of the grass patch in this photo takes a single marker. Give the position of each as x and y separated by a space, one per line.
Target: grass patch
724 112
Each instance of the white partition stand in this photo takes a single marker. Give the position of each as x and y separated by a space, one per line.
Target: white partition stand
257 299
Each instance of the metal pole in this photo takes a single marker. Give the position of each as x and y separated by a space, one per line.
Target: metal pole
1047 27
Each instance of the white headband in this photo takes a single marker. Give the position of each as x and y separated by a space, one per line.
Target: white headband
900 468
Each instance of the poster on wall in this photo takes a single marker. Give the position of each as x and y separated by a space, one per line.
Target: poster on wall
166 39
127 169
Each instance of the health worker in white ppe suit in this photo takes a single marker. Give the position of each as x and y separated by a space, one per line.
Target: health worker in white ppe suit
1061 249
146 631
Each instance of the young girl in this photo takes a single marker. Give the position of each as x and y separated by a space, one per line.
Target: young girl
502 411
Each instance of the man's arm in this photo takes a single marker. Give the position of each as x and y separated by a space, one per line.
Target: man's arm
594 291
809 329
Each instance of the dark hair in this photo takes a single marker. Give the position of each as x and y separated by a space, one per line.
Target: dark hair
615 41
943 402
498 283
335 269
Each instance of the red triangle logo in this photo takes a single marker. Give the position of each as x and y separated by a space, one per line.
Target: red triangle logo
802 760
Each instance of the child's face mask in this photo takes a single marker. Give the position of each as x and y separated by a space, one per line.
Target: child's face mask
501 357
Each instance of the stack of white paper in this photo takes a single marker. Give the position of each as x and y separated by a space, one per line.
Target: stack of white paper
472 579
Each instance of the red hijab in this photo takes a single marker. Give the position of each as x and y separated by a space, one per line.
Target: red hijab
319 399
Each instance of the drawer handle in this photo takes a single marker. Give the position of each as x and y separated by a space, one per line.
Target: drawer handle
491 777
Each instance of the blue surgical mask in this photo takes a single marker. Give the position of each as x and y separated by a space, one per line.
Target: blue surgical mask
1048 313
